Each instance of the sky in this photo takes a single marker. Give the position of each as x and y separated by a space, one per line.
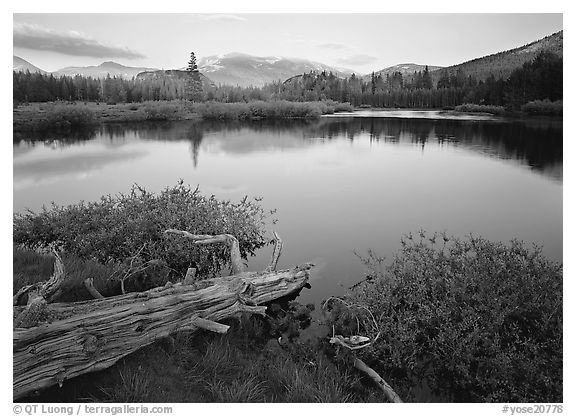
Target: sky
360 42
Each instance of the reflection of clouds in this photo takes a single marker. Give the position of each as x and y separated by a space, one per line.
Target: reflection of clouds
246 142
76 166
225 189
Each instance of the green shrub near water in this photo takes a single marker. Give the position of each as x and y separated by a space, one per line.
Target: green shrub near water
479 108
476 321
117 228
62 115
543 107
163 110
343 107
260 109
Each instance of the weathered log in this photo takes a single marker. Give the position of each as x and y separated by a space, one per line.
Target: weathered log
81 337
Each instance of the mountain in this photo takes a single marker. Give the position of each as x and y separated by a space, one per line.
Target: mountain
404 69
503 63
22 65
245 70
103 70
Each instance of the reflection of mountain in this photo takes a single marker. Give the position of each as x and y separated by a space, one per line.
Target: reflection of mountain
51 169
536 143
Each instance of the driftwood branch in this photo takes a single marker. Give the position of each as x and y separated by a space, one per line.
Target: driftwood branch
357 342
190 276
232 242
89 285
275 253
390 394
50 289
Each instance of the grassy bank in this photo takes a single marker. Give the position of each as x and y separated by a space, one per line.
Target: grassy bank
532 108
58 115
248 364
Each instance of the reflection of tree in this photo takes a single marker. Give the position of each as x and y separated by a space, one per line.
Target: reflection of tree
64 137
194 135
538 143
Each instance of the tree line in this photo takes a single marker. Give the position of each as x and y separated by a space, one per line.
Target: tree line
536 80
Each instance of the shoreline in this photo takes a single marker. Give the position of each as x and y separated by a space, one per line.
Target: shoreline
59 115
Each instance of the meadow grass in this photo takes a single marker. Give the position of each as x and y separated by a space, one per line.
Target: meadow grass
66 115
236 367
31 267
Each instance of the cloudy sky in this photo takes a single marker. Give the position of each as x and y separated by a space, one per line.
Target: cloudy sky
361 42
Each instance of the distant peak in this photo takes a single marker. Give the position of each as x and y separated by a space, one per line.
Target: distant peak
111 63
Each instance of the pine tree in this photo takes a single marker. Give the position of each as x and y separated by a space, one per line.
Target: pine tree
193 81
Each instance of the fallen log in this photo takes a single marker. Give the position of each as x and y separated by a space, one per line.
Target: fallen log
70 339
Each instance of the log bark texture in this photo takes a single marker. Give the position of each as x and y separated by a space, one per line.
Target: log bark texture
71 339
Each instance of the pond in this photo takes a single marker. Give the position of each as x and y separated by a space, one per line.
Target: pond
341 184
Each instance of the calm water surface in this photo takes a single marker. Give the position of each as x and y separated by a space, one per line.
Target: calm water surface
340 184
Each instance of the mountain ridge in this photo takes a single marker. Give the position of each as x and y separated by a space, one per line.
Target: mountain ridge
501 64
103 70
22 65
248 70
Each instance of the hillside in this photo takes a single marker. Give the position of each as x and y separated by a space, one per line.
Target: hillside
22 65
404 69
245 70
503 63
103 70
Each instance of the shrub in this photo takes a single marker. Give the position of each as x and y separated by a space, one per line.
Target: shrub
343 107
478 108
543 107
68 116
121 227
475 320
161 111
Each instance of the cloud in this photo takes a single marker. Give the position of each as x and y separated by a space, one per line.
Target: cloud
67 42
333 46
357 60
224 18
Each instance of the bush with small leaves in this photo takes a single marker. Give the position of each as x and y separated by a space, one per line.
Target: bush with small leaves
128 228
476 320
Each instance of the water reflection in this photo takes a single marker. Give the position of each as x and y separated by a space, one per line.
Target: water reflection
534 143
340 184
